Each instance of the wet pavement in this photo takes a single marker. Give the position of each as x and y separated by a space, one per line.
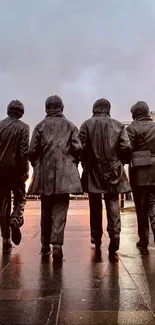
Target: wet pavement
86 288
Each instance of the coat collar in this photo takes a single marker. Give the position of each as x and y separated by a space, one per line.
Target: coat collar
54 114
144 118
101 114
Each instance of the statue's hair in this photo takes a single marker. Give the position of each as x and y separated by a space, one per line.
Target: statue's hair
102 106
15 108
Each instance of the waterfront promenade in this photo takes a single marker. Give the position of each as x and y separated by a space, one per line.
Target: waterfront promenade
86 289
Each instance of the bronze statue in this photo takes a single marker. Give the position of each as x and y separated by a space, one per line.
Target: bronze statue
54 154
106 147
14 142
142 170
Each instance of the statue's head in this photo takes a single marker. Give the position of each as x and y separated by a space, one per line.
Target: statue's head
102 106
15 109
54 103
139 109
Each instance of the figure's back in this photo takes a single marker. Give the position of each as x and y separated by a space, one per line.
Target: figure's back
55 134
103 135
143 129
10 136
53 150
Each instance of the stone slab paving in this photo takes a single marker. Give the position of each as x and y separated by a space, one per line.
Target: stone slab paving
86 288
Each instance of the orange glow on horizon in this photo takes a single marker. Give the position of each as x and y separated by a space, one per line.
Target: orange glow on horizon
28 183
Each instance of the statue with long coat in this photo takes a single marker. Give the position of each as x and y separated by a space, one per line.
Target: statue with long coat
106 148
14 168
54 153
142 137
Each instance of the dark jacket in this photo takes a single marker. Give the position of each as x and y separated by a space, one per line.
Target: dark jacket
54 153
14 143
144 175
106 148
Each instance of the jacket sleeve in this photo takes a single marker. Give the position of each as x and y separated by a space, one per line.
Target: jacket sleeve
24 147
84 142
35 147
131 134
124 147
76 147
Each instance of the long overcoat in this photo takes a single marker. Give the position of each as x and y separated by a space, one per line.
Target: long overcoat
54 152
106 147
142 136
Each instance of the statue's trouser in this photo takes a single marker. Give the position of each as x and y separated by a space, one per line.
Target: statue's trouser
113 216
144 198
53 218
18 189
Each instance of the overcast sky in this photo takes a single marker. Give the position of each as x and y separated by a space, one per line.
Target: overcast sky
80 50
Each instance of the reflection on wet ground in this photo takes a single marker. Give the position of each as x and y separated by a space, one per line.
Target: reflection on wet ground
86 288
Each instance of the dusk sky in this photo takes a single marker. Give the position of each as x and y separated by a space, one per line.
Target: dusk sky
80 50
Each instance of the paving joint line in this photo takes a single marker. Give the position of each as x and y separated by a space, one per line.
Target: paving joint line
138 289
58 311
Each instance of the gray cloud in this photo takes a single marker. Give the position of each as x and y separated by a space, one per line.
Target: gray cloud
80 50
